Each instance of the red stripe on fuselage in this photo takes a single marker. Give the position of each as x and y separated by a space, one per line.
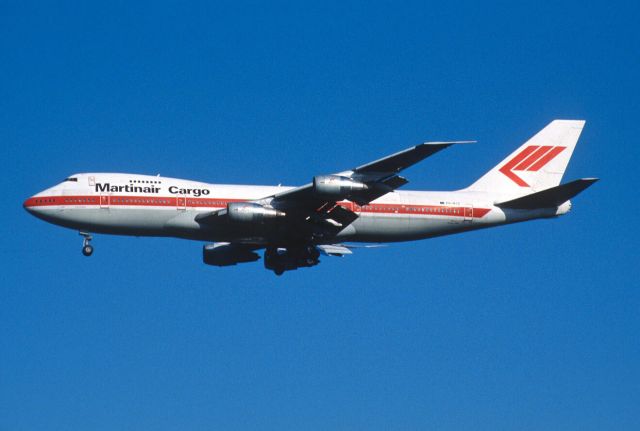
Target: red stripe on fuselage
213 203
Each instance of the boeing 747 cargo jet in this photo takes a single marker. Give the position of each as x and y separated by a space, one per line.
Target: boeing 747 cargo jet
295 225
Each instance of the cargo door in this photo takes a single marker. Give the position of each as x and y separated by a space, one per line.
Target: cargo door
105 200
181 202
468 213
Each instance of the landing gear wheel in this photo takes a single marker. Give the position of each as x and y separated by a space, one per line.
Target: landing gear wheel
87 249
278 271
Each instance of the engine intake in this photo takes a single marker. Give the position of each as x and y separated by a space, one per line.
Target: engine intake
337 187
247 212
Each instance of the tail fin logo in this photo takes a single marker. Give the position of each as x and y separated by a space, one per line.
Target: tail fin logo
531 159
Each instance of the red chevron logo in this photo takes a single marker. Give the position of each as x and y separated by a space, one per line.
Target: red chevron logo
531 159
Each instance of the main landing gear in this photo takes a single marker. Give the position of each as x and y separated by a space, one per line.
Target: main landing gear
87 248
280 260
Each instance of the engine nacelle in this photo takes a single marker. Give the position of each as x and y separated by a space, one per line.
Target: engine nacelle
337 187
247 212
226 254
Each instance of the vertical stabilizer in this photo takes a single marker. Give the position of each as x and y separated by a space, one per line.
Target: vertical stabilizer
537 165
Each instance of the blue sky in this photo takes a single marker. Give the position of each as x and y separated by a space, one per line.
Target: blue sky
532 326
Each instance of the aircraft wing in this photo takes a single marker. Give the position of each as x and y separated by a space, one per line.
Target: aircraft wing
403 159
312 210
317 202
380 177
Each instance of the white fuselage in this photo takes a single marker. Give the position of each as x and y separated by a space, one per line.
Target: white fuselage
140 205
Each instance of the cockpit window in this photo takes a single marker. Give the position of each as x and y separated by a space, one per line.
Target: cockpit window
71 179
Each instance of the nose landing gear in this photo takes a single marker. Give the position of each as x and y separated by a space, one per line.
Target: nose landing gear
87 248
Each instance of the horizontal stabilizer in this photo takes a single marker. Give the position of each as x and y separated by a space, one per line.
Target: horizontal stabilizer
549 198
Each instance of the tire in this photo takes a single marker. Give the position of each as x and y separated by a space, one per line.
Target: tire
87 250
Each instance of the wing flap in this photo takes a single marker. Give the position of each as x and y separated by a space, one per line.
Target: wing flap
334 250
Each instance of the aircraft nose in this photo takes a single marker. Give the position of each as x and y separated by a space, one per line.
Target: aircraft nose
29 205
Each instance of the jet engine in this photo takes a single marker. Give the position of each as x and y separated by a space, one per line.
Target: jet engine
247 212
336 187
224 254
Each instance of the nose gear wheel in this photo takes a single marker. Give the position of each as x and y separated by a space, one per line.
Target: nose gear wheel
87 248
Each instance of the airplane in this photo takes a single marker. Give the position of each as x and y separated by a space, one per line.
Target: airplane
329 215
